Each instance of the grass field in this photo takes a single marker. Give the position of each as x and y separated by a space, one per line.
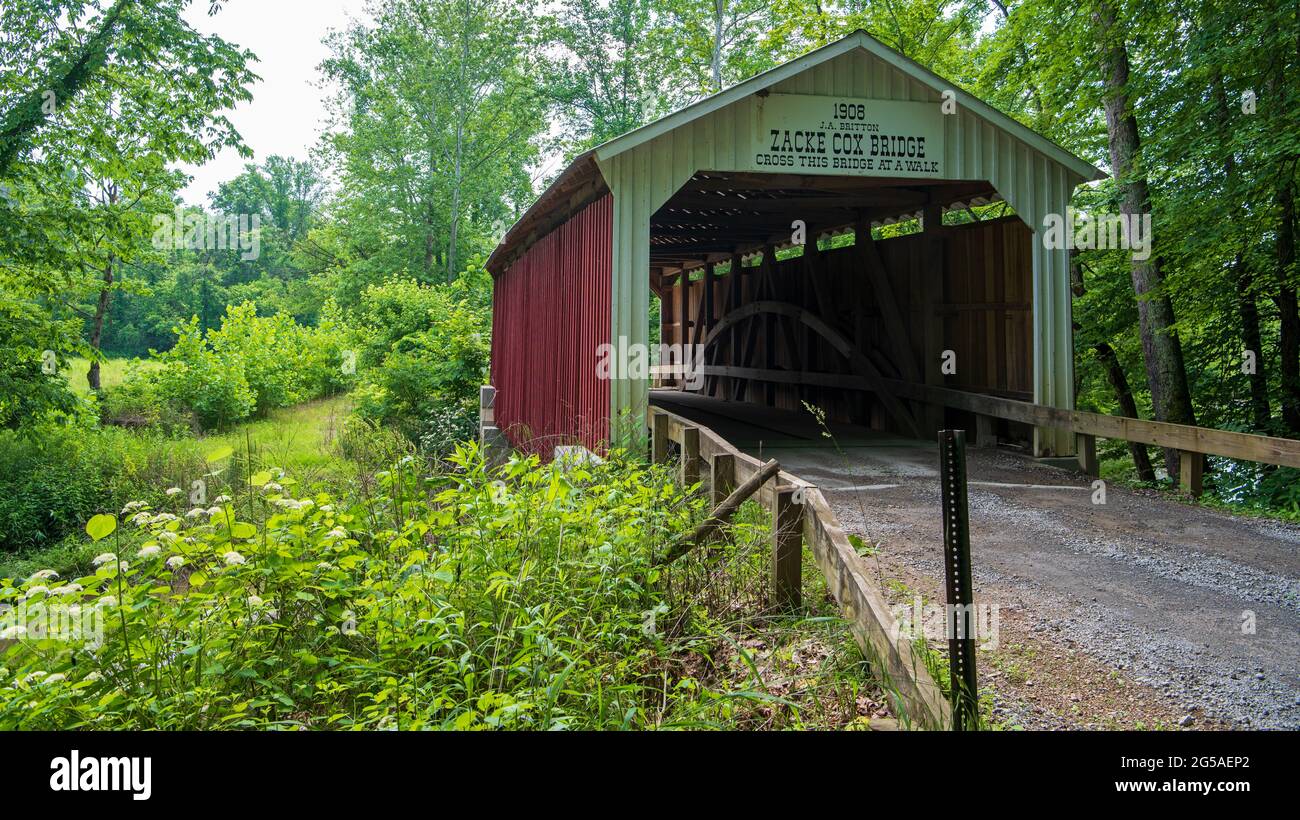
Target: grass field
112 372
303 440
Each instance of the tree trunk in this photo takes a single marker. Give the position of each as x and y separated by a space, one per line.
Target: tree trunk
718 9
97 324
1243 277
1248 311
1127 406
1287 306
1162 351
1115 375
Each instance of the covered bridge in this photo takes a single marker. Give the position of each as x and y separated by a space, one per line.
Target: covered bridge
731 212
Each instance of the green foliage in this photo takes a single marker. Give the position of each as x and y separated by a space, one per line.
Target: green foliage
53 477
251 364
101 160
433 163
520 604
56 476
30 387
195 379
425 356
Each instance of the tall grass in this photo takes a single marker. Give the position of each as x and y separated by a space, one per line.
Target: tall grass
453 598
53 479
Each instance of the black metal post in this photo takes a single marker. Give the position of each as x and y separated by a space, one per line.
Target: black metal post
961 619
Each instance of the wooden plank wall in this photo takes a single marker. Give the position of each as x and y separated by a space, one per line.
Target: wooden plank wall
986 311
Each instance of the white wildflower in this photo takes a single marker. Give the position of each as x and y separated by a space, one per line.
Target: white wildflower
43 575
271 487
39 589
141 518
107 601
197 512
164 518
67 589
233 558
55 678
13 633
213 511
175 561
221 499
34 677
254 602
132 506
149 550
104 558
92 677
174 491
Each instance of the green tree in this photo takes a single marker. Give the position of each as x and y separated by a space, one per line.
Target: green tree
438 117
605 82
140 89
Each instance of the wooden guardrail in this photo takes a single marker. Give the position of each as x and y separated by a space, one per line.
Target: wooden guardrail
1087 426
1191 442
801 514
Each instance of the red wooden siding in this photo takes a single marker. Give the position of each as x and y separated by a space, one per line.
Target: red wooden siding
550 312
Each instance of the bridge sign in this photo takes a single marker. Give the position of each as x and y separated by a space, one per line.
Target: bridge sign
848 136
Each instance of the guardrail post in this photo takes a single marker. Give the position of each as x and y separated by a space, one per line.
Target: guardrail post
787 548
487 399
1087 446
659 439
1191 472
722 476
492 442
961 620
690 456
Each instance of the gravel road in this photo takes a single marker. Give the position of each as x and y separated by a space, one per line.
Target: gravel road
1143 595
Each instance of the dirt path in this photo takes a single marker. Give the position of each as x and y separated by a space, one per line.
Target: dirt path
1132 613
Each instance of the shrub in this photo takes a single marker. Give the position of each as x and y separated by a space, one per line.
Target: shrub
54 477
251 364
426 358
518 604
446 426
139 402
196 379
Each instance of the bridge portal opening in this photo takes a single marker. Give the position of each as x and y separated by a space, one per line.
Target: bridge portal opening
835 293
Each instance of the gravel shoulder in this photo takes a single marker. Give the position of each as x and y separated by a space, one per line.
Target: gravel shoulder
1135 613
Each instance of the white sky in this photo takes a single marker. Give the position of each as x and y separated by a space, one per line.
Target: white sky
287 111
